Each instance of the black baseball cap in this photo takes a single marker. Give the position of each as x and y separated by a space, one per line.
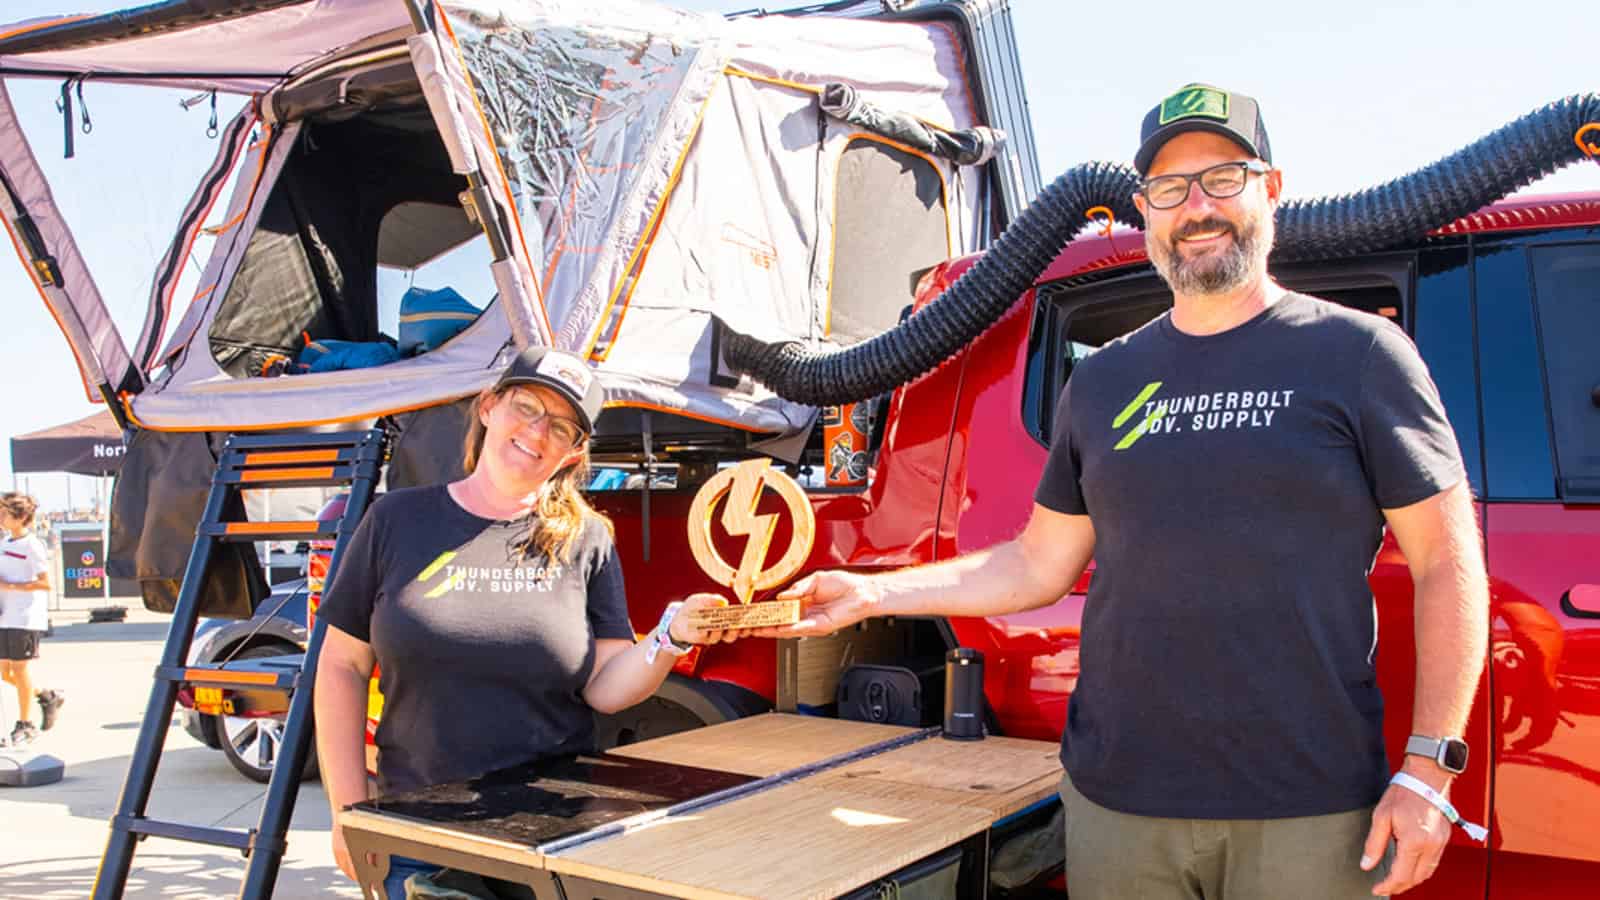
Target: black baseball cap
563 373
1202 107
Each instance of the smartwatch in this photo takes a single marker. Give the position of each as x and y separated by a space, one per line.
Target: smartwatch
1449 752
660 639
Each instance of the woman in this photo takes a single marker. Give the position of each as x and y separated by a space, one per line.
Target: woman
24 613
493 605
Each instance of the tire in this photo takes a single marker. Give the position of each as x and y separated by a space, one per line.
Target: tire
251 744
679 705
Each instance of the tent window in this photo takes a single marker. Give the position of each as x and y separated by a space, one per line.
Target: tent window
890 223
355 195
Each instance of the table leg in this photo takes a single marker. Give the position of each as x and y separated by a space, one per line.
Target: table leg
371 862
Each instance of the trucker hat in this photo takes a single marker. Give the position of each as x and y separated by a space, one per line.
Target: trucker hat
1202 107
563 373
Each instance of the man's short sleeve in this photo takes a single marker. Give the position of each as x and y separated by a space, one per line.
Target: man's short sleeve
1407 444
348 601
1058 484
608 600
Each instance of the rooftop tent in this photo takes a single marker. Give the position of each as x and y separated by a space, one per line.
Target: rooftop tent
650 171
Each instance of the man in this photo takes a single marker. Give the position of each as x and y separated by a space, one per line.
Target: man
1232 466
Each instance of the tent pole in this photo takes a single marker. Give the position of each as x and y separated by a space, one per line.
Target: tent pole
419 19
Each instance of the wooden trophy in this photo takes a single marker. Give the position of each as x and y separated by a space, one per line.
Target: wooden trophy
743 485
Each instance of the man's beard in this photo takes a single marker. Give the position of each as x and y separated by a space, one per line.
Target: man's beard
1220 271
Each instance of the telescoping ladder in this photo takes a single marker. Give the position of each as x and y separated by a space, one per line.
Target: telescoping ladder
349 459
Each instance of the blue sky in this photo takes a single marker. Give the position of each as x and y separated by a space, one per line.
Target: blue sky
1352 95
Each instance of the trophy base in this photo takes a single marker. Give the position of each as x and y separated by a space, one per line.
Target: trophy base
746 615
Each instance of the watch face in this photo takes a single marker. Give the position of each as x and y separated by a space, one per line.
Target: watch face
1455 755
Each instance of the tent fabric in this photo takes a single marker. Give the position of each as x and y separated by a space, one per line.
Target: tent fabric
248 54
89 446
656 171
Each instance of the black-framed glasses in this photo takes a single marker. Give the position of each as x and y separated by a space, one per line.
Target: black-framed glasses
527 409
1221 181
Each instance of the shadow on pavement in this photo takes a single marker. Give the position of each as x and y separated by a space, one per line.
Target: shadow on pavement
166 875
90 789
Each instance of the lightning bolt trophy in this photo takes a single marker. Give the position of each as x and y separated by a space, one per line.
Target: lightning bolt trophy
743 486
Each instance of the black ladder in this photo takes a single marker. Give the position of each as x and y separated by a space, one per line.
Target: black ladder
352 459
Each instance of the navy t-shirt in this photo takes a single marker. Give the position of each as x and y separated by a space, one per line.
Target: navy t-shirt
1236 484
484 651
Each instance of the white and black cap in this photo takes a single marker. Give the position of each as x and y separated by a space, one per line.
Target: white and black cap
563 373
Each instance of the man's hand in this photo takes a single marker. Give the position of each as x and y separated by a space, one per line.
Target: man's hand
829 601
1419 830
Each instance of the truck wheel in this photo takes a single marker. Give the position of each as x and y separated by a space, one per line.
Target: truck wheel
679 705
252 744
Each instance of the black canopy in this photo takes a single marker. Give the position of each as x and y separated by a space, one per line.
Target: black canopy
89 446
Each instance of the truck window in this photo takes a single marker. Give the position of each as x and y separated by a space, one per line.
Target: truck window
1444 337
1566 284
1516 430
1072 323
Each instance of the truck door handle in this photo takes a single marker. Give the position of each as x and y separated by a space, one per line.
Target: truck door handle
1582 601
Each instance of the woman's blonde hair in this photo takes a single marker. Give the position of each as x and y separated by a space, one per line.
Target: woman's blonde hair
22 506
562 509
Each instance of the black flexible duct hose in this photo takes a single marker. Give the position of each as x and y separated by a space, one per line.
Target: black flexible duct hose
1383 216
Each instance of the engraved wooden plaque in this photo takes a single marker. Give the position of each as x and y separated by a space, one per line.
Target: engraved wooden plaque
743 486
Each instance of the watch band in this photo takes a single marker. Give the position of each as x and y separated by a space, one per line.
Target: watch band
1425 791
660 639
1438 750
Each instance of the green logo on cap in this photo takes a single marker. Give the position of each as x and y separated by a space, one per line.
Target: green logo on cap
1195 100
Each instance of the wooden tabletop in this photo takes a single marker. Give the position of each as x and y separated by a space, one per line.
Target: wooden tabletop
819 836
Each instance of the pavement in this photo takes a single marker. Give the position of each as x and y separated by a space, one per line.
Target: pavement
52 836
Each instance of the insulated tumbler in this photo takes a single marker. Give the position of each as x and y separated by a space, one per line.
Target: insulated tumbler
963 695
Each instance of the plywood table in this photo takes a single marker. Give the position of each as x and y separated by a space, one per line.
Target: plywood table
813 835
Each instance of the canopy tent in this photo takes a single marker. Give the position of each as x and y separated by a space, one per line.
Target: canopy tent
90 446
644 174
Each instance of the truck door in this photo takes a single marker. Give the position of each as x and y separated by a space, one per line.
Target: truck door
1538 314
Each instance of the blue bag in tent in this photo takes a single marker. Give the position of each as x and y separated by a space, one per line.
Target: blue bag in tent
330 355
429 318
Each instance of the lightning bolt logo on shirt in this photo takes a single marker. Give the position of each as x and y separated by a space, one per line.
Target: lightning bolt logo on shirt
450 583
739 518
1128 412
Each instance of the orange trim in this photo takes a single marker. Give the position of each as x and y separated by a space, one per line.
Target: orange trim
769 79
640 404
290 456
272 527
641 250
284 474
572 201
33 276
40 26
833 232
505 180
214 230
221 676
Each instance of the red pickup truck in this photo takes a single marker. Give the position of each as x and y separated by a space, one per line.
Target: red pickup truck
1505 307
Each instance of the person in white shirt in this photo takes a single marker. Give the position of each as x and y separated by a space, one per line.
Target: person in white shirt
24 612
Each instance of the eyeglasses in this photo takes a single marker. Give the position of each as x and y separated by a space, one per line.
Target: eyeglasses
1220 181
527 409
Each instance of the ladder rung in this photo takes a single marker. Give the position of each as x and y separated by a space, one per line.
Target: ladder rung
295 475
296 457
298 441
261 531
284 679
243 841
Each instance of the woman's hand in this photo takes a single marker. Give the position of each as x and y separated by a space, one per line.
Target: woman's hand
683 632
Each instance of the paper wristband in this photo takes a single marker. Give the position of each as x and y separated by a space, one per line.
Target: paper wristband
1423 790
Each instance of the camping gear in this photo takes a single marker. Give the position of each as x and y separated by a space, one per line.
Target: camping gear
429 318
